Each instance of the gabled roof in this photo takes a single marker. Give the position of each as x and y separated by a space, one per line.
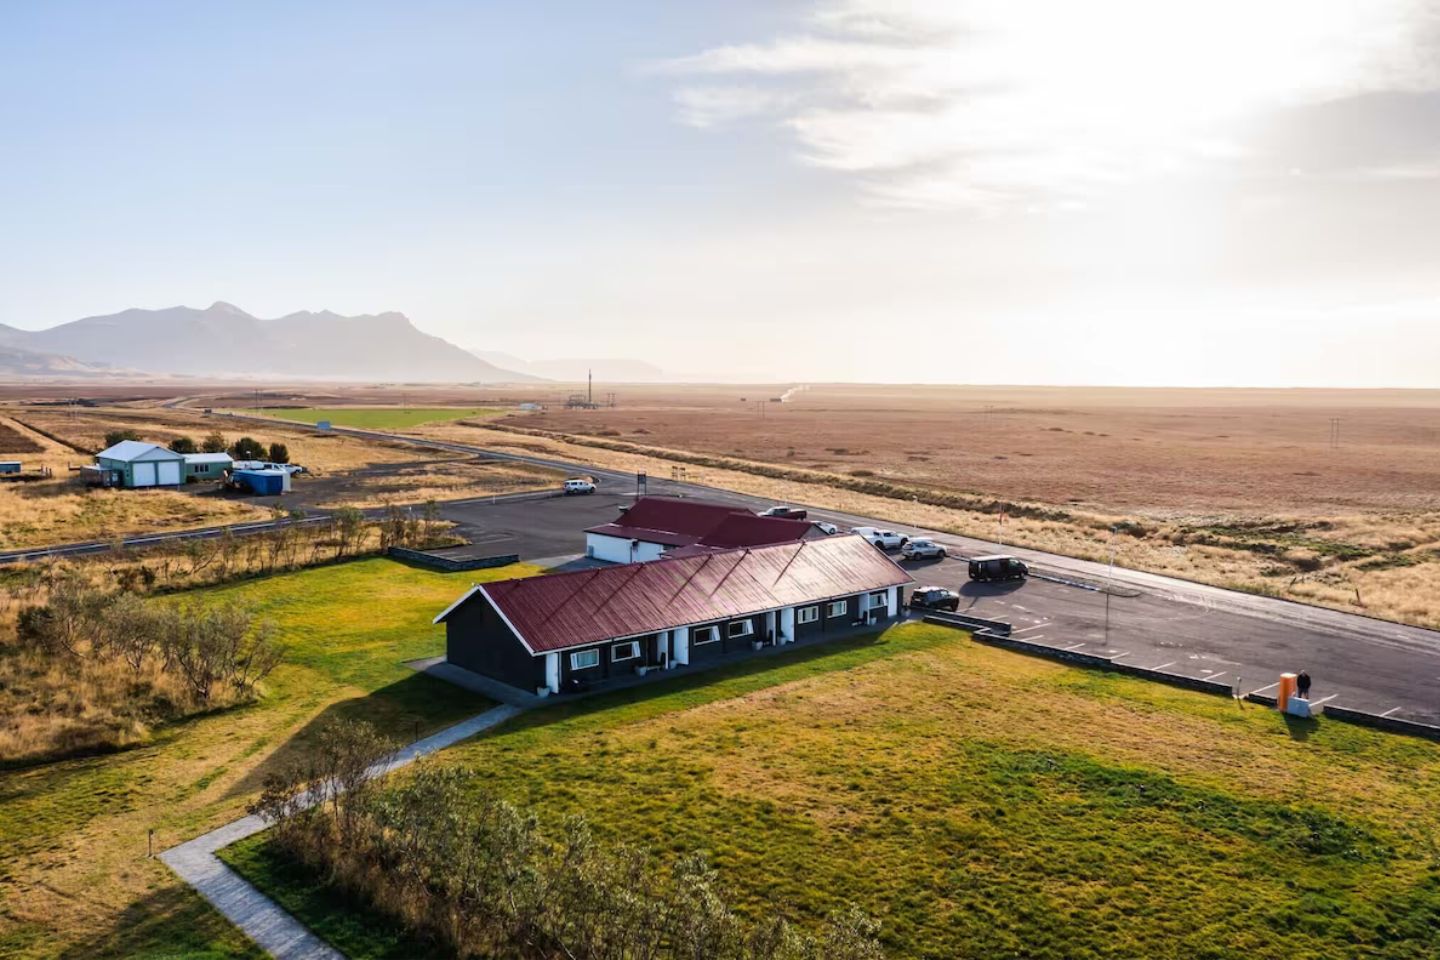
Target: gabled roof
130 450
572 609
207 458
677 522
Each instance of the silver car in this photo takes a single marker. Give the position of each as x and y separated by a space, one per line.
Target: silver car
922 548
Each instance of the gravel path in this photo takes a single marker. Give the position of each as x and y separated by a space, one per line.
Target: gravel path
259 917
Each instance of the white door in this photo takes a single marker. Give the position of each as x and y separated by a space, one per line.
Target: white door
144 474
169 473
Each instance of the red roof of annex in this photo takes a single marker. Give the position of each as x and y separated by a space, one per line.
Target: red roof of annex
677 522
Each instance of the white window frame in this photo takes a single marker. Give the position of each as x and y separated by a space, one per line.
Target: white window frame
632 645
837 608
747 628
807 614
878 600
702 635
575 659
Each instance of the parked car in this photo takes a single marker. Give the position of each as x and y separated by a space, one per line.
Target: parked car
884 539
922 548
577 485
829 529
935 598
785 513
998 567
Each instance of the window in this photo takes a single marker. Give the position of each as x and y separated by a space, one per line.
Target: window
741 628
584 659
705 635
628 650
837 608
877 600
808 614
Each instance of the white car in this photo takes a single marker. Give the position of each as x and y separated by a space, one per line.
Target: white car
829 529
884 539
578 485
922 548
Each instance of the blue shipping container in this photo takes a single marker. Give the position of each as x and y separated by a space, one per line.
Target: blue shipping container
266 483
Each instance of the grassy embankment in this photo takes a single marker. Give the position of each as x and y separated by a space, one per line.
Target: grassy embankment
74 880
380 418
986 804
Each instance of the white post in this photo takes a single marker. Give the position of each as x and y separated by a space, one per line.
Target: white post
665 653
681 641
787 625
892 602
552 672
770 627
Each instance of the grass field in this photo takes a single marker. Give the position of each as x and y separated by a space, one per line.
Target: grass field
381 418
986 804
74 879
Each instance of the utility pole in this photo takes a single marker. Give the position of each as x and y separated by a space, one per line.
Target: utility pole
590 388
1109 586
1334 433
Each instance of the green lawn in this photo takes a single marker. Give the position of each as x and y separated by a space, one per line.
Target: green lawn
987 804
74 879
382 418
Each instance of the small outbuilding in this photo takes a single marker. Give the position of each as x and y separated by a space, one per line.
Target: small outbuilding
10 466
599 627
206 466
654 526
135 463
267 482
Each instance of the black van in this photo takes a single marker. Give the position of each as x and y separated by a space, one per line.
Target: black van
998 567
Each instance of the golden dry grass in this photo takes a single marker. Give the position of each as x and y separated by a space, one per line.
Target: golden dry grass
60 510
1410 593
420 482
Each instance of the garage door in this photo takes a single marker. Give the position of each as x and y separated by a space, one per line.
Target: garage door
144 474
169 473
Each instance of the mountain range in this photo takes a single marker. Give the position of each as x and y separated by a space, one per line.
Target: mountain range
224 341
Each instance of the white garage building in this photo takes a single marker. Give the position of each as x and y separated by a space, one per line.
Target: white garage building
135 463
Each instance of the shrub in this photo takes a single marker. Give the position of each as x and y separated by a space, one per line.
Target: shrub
183 445
113 437
247 448
214 443
279 453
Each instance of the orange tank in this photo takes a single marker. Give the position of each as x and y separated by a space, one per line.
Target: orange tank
1287 690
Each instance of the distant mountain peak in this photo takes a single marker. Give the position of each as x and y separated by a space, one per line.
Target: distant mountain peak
226 341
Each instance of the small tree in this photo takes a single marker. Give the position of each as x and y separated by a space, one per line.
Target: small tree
279 453
214 443
117 436
247 448
183 445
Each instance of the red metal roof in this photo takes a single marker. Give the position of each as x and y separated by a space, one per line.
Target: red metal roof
677 522
587 606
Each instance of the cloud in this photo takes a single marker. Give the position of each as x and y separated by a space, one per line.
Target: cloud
989 103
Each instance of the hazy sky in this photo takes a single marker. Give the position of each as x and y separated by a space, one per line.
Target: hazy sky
1115 191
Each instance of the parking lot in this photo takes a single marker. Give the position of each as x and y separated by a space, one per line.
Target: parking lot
1184 628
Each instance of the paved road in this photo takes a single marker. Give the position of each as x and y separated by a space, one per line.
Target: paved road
1366 664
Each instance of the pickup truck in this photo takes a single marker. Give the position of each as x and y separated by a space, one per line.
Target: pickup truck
998 567
785 513
884 539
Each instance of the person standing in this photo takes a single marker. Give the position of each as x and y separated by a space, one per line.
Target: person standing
1302 685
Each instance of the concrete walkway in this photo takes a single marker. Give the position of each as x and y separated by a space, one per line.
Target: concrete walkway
259 917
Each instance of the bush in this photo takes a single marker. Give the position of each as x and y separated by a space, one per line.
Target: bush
183 445
247 448
214 443
119 436
473 872
279 453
